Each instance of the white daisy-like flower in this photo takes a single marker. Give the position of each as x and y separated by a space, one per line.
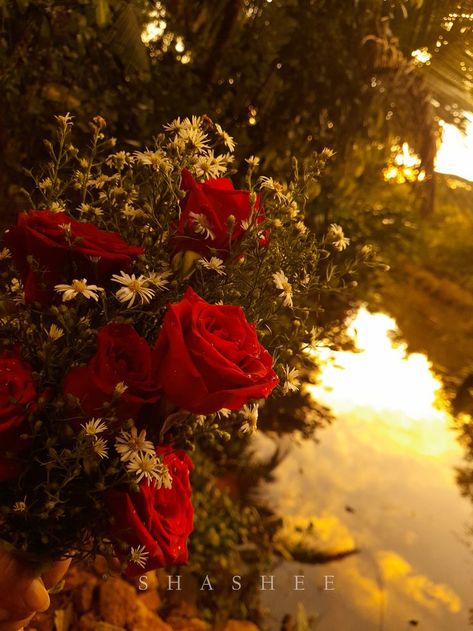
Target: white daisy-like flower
337 237
159 279
250 417
94 427
174 125
194 137
202 225
57 207
100 447
5 254
45 184
139 556
133 289
155 159
252 162
84 209
210 166
54 332
78 287
281 281
128 444
276 187
130 212
194 122
225 138
147 466
214 264
291 379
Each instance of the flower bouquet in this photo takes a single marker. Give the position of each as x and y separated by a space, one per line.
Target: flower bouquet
145 302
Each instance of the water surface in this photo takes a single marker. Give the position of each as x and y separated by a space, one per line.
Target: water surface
382 480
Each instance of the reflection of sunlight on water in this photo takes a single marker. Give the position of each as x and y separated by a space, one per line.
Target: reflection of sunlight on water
380 480
382 379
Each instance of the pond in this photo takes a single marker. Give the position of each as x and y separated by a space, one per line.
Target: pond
380 480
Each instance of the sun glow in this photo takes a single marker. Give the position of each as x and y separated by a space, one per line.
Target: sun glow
455 156
385 385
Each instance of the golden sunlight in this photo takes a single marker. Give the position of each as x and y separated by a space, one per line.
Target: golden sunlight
455 156
382 381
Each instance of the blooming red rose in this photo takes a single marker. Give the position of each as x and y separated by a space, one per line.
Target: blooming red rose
208 357
17 400
159 519
205 210
51 248
122 357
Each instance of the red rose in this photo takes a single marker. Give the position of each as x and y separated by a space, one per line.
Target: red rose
208 357
51 248
158 519
17 400
205 210
122 356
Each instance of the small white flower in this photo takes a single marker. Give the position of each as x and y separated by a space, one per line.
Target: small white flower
54 332
94 426
100 447
128 444
276 187
69 292
250 416
252 162
337 237
281 281
159 279
202 225
147 466
225 138
20 507
214 264
85 209
156 159
293 210
210 166
174 125
130 212
57 207
67 227
15 286
133 288
120 388
301 227
291 380
139 556
45 184
195 137
5 254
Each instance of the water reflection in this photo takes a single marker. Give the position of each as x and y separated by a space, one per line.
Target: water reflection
382 478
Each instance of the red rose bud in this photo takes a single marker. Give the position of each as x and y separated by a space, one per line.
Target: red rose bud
156 520
211 216
208 357
51 248
120 372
